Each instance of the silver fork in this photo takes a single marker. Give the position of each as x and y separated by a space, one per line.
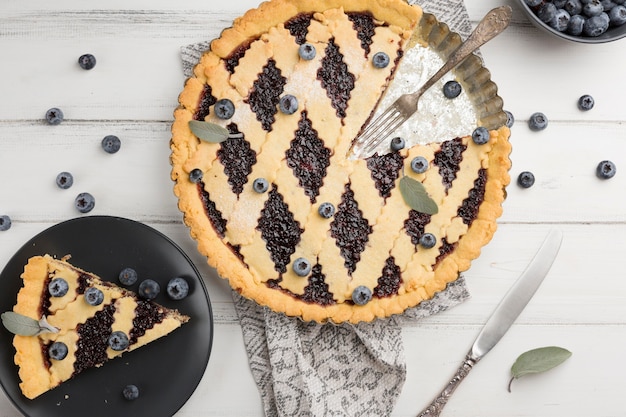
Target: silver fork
384 125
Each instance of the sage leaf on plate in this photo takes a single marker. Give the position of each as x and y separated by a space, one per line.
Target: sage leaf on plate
538 360
25 326
209 132
416 197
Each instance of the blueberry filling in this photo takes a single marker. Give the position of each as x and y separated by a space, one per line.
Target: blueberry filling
206 101
448 159
93 339
265 94
470 206
385 170
365 27
238 158
390 280
214 215
147 314
299 27
336 79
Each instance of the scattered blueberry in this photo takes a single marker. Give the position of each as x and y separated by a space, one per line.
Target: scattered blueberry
596 25
196 175
118 341
307 51
5 223
260 185
54 116
224 108
302 267
149 289
593 8
510 119
419 165
606 170
87 61
94 296
288 104
526 179
111 144
380 60
177 288
58 287
576 25
452 89
538 121
586 102
428 240
480 135
397 144
361 295
573 7
85 202
64 180
617 15
130 392
560 21
128 276
57 351
547 12
326 210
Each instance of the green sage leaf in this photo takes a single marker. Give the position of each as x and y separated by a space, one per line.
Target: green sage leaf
20 324
416 197
538 360
209 132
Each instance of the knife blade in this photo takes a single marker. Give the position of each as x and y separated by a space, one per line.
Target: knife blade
502 317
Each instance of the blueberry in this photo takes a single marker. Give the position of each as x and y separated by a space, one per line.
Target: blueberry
111 144
617 15
559 3
64 180
54 116
84 202
419 165
452 89
130 392
481 135
58 287
576 25
607 5
307 51
224 109
533 3
127 276
538 121
288 104
428 240
302 267
560 21
596 25
526 179
547 12
326 210
5 223
196 175
94 296
361 295
260 185
397 144
593 8
149 289
510 119
380 60
87 61
586 102
177 288
118 341
606 170
573 7
57 351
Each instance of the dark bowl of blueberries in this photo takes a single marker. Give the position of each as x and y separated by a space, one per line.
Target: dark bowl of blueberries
584 21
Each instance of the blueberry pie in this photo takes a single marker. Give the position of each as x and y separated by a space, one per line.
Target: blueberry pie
96 321
273 198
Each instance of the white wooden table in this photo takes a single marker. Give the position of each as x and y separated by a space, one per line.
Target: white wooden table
133 90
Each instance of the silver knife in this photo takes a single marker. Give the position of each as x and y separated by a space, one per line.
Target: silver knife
502 318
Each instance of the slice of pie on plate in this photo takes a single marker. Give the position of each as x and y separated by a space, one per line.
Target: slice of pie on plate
96 321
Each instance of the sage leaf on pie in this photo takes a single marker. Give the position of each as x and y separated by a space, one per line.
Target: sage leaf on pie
25 326
209 132
416 197
538 360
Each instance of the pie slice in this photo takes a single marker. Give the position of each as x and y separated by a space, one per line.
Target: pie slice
281 210
85 323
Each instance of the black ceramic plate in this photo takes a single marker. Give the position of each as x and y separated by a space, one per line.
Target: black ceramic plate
167 371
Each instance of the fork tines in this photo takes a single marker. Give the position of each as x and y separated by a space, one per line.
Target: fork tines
377 131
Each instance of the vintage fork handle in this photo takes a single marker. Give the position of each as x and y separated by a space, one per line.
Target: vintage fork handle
435 408
489 27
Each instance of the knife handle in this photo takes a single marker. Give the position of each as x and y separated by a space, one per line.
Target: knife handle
435 408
